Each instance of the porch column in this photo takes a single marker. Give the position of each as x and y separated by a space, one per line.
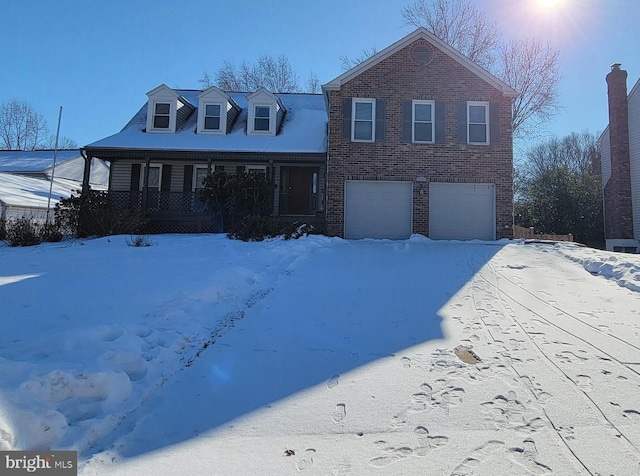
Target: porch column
209 166
145 183
271 172
86 177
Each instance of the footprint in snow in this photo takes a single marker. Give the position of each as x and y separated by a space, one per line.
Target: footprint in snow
477 457
306 460
527 456
333 381
340 413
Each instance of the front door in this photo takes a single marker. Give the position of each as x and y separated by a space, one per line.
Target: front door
298 190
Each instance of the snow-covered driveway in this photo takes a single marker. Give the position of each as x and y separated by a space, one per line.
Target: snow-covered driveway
332 357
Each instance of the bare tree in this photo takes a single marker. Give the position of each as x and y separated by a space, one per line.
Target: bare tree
459 24
274 74
63 143
526 65
21 126
313 83
531 69
347 63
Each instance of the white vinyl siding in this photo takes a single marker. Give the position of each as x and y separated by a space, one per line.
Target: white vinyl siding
378 209
120 176
462 211
634 155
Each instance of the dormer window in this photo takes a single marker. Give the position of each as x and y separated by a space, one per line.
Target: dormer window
167 110
161 115
261 119
212 117
266 113
217 111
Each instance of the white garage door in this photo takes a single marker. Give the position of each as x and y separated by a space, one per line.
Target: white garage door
462 211
378 209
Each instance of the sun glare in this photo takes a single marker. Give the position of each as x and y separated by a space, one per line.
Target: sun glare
548 3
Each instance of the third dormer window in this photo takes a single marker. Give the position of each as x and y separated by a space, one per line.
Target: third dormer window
161 115
212 117
261 119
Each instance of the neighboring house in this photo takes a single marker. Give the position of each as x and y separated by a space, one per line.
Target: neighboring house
29 196
159 159
39 164
418 140
620 150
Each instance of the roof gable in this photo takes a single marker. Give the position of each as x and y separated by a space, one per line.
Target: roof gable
421 33
163 91
263 93
214 93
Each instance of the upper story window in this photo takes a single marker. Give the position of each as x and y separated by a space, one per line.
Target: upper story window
265 113
217 111
477 122
262 118
363 120
167 110
161 115
212 117
423 123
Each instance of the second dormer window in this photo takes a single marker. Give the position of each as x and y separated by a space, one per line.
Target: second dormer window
261 119
212 117
161 115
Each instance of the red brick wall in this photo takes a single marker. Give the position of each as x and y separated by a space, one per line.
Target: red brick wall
399 79
617 192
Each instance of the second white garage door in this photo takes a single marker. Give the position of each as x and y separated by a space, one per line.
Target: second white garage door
462 211
376 209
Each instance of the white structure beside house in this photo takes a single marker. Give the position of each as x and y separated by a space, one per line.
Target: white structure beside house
39 163
28 196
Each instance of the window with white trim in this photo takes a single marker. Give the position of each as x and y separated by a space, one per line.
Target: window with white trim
423 123
212 115
477 122
155 175
161 115
199 174
262 118
363 120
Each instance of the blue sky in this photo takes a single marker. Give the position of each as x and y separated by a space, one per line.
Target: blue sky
98 59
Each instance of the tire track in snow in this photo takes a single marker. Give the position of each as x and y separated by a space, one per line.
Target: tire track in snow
535 394
500 292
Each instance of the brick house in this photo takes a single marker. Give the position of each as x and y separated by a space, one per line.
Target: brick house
620 152
420 141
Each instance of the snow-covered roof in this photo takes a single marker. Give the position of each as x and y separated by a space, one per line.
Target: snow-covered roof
304 130
31 192
32 161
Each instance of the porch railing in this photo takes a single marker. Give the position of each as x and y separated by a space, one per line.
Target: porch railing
159 203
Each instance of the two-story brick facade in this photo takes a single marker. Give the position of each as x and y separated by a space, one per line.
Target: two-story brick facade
419 141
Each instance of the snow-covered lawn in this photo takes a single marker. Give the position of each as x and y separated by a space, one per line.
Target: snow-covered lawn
201 355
